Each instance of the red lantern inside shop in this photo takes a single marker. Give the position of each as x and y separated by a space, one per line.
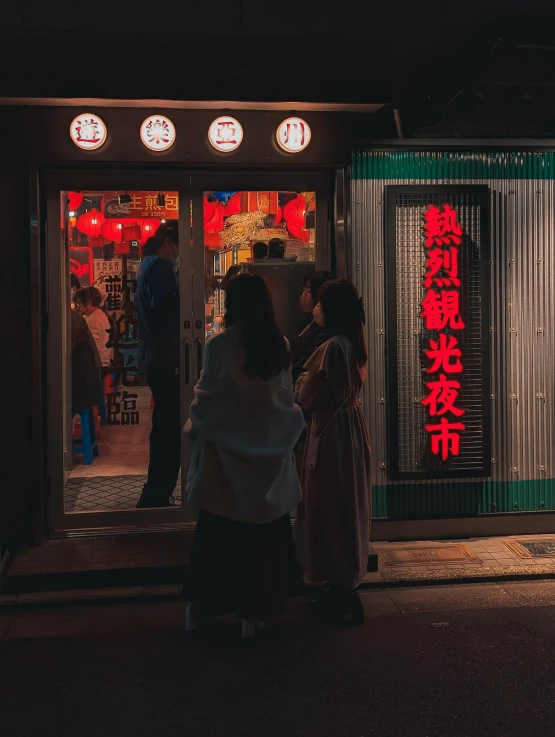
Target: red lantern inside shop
90 223
131 231
112 230
74 201
294 214
209 211
234 205
216 222
149 226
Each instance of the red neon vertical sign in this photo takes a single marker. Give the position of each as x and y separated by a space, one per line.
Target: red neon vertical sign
441 313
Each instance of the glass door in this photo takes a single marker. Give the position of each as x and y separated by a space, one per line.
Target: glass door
122 357
274 225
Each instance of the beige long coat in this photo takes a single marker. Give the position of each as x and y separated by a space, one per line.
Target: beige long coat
333 520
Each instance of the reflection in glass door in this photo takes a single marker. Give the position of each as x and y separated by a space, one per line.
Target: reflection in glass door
102 393
271 233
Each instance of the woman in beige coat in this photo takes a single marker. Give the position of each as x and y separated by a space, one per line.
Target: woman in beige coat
333 520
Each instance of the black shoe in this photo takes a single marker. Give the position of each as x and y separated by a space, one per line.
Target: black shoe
148 501
344 606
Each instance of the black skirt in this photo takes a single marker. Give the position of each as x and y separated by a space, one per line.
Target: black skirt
244 569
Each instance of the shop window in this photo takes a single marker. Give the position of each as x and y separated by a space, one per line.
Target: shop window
104 235
272 233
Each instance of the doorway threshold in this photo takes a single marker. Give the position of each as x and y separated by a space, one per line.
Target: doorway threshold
110 560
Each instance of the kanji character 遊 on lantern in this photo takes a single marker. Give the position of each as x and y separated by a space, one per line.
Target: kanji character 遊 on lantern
87 131
441 310
445 438
441 226
445 354
443 394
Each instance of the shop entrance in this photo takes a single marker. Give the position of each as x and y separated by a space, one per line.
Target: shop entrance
99 225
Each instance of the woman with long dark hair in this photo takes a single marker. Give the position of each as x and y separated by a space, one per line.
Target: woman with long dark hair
333 520
242 481
311 337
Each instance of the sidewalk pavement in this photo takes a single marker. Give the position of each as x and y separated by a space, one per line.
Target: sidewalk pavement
152 573
455 561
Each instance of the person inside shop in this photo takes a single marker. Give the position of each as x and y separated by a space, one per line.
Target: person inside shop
81 376
242 480
157 300
259 250
84 371
88 301
333 520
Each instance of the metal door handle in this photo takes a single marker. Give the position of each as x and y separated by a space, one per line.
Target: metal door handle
186 359
199 356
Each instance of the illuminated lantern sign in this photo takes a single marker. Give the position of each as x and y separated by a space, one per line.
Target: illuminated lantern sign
225 134
88 131
293 135
158 133
438 332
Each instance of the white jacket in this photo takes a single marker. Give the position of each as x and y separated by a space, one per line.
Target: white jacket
244 430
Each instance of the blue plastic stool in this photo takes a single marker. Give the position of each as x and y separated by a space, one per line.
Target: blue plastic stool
88 445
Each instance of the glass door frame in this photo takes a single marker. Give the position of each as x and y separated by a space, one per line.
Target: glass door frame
319 182
57 306
191 186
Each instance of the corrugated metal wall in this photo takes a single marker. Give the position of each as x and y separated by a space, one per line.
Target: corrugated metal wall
522 272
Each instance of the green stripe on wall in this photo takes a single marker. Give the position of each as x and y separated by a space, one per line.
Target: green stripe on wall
464 499
453 165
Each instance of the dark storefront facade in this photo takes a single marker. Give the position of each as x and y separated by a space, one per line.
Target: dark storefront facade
86 207
83 189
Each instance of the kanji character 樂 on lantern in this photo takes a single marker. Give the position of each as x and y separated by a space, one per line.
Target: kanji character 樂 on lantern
90 223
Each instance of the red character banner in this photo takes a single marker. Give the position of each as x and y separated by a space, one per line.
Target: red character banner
441 311
438 334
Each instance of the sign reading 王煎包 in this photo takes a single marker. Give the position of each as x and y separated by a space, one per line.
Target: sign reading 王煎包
438 336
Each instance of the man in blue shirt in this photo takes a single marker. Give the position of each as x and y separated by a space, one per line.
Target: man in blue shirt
157 301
